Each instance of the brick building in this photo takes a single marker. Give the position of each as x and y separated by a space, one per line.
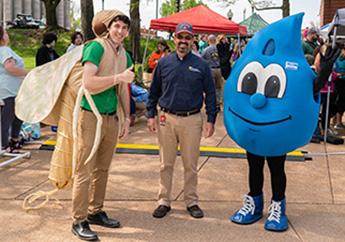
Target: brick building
328 8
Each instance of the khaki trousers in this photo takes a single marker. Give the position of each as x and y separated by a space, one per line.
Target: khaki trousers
219 83
185 131
89 184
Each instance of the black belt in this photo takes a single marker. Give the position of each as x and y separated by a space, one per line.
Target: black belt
215 67
183 114
109 114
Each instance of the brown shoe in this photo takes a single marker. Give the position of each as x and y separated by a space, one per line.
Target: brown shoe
195 211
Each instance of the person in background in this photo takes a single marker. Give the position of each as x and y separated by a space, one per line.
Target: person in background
224 53
195 48
139 97
311 41
162 50
77 38
180 95
340 89
11 75
210 54
203 43
46 52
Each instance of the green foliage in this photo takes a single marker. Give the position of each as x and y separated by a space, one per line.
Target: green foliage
151 47
25 42
76 24
169 7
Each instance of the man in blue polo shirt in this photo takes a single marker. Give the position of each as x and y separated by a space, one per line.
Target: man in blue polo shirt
179 83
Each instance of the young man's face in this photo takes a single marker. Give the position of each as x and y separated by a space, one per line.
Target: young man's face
183 43
118 31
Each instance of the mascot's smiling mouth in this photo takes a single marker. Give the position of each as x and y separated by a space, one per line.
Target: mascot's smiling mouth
260 123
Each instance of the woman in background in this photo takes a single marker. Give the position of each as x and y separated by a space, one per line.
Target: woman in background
11 75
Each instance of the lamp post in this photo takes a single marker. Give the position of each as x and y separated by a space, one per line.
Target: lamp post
230 14
178 6
156 9
102 4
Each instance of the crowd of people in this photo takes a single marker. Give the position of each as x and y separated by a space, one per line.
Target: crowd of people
183 81
314 48
219 51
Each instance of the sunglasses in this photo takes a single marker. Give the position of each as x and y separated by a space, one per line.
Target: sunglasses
186 37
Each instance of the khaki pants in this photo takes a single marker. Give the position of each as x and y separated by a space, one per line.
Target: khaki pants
89 184
187 132
219 83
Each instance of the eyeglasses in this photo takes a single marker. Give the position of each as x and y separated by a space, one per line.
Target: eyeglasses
186 37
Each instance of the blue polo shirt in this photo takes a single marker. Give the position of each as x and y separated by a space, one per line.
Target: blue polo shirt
179 85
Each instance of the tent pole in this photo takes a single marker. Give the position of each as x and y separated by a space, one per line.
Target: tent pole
146 45
329 91
239 43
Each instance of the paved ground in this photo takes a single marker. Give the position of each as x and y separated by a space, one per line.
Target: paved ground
315 198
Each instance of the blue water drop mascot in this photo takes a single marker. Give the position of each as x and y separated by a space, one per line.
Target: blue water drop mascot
270 109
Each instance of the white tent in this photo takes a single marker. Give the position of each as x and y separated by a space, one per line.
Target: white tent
337 27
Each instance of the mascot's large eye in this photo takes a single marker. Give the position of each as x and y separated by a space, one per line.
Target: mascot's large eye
275 81
249 79
249 83
272 86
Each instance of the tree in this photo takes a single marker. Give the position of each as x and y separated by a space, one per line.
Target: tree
86 7
265 5
134 36
169 7
50 6
75 21
268 5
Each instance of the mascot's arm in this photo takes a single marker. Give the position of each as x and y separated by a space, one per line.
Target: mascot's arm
326 66
97 84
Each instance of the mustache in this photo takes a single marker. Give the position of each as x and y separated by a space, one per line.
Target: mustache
182 43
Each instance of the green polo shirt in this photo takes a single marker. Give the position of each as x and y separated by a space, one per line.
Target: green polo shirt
106 101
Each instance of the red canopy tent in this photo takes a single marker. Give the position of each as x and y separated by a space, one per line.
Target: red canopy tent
203 20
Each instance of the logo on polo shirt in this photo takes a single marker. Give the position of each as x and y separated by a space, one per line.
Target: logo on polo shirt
191 68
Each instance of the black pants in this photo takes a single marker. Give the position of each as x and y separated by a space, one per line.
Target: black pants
256 175
9 120
332 108
340 99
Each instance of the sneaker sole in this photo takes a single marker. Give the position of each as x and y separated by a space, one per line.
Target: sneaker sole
251 222
273 230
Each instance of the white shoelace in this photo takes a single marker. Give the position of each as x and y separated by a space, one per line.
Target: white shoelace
248 206
275 212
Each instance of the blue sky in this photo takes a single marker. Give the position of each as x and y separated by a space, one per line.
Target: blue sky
148 9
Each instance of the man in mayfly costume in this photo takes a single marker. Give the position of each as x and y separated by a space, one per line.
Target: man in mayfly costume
86 96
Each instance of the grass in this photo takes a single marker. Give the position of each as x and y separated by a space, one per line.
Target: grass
25 42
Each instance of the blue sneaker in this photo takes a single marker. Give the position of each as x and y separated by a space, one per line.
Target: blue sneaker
251 210
277 219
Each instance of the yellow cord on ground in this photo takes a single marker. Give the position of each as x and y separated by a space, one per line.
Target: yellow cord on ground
30 199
